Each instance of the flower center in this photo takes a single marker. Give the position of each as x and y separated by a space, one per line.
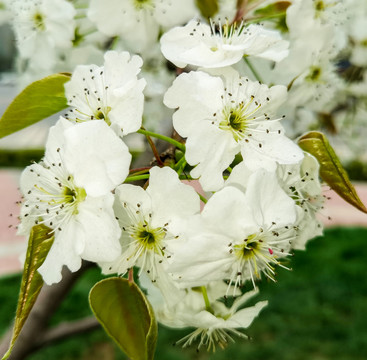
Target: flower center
55 199
314 74
150 239
39 21
102 114
227 33
259 252
250 248
319 5
236 119
72 195
141 4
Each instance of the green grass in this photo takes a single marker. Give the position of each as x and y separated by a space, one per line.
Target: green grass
317 311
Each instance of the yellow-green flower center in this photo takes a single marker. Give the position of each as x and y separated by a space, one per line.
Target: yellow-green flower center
149 238
39 21
73 195
141 4
102 114
249 248
314 74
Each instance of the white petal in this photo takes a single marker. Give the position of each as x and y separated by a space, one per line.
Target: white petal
243 318
274 148
100 229
62 252
197 95
96 157
268 202
170 197
212 150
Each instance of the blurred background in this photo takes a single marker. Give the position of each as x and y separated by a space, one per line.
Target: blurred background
316 311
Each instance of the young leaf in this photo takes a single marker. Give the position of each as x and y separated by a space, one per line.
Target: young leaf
274 9
208 8
37 101
126 316
39 244
331 170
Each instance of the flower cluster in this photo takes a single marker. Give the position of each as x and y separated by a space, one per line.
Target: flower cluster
259 192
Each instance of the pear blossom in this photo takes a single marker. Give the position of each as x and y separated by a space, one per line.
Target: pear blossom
215 323
138 21
41 28
301 182
238 235
218 327
150 219
304 15
220 45
5 13
226 114
70 192
111 92
359 35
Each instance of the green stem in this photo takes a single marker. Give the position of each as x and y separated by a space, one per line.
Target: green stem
180 165
253 70
139 171
137 177
186 177
89 32
229 169
202 198
206 300
175 143
114 42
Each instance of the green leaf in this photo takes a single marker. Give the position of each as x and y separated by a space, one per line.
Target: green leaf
275 12
126 315
331 170
208 8
37 101
274 9
39 244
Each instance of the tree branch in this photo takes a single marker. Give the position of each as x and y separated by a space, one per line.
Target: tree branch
36 325
67 329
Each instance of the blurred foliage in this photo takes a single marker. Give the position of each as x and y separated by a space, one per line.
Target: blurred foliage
19 158
22 158
356 170
317 311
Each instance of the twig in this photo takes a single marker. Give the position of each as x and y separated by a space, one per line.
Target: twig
67 329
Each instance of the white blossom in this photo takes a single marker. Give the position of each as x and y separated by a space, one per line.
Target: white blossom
138 21
42 27
70 192
238 236
5 13
111 92
150 219
301 182
223 115
215 324
359 35
220 45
